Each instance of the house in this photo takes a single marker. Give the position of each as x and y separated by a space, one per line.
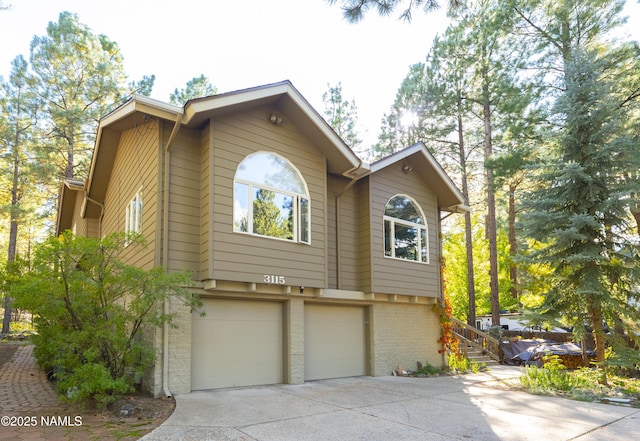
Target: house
311 263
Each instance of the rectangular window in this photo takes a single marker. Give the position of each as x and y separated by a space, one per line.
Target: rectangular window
273 214
424 246
133 215
241 207
387 238
304 220
405 242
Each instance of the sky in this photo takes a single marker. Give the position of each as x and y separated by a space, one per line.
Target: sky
241 44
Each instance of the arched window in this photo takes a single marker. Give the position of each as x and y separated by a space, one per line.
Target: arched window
405 230
270 198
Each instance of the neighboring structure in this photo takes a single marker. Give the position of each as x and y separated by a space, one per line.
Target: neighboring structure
310 263
512 322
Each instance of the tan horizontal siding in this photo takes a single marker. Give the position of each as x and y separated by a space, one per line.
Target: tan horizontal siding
364 235
184 202
396 276
332 269
135 167
205 206
237 136
343 268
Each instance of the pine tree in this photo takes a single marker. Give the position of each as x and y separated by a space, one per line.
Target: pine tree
16 129
78 77
354 10
579 212
197 87
342 116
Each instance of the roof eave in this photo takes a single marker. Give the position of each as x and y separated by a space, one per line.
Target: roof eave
459 202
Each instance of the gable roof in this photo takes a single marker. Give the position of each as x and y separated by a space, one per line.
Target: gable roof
420 161
289 103
283 96
67 203
286 98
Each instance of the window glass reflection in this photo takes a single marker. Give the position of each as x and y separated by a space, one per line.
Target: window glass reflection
405 232
271 199
271 171
241 207
272 214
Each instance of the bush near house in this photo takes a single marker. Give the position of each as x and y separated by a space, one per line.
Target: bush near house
89 309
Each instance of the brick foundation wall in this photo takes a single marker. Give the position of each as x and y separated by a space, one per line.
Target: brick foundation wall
404 334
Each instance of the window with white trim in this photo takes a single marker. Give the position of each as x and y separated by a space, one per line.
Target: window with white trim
405 230
270 198
133 215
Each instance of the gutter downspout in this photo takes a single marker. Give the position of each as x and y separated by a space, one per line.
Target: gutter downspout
165 253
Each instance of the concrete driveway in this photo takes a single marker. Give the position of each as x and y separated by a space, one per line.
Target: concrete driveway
393 408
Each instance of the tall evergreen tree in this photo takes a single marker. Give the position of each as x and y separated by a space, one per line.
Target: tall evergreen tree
581 219
342 116
434 94
78 77
354 10
18 114
196 87
469 91
579 213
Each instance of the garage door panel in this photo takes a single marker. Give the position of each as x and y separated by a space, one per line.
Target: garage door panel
334 341
237 343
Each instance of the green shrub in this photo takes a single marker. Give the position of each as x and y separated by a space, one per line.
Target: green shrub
428 369
552 377
92 381
89 308
460 364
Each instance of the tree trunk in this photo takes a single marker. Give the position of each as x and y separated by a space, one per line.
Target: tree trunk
68 172
513 242
468 234
598 335
13 234
491 210
636 215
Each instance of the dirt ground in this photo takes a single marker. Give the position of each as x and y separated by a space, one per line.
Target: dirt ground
147 414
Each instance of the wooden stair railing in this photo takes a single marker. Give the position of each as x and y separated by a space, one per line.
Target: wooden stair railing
468 336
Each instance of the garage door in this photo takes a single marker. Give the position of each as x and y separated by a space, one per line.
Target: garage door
334 342
237 343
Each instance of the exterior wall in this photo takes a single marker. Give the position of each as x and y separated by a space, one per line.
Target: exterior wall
364 235
294 341
184 202
179 350
247 258
135 168
342 235
83 227
404 334
396 276
396 332
206 228
92 227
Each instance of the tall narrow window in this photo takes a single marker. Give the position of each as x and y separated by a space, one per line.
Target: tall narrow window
270 198
133 215
405 230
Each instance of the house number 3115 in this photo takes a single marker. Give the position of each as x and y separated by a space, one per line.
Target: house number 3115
274 279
